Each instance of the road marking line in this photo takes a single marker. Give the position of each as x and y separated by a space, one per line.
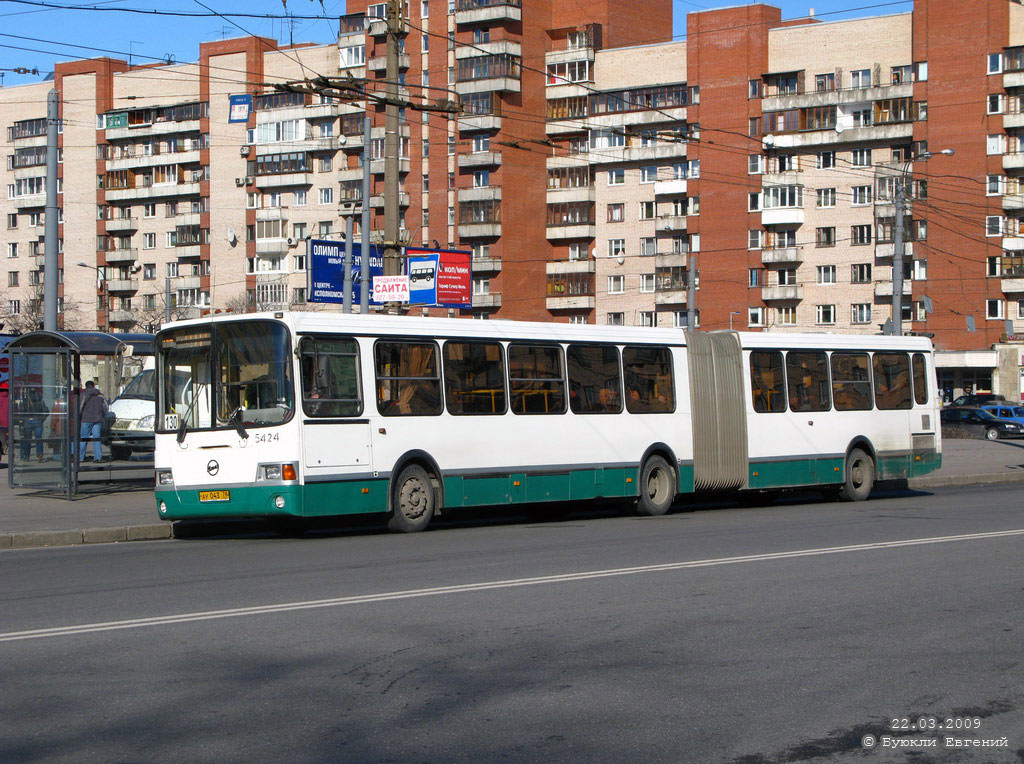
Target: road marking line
361 599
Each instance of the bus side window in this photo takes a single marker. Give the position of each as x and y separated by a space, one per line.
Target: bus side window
766 385
408 383
920 380
892 380
807 374
851 381
474 378
330 376
648 378
594 385
536 380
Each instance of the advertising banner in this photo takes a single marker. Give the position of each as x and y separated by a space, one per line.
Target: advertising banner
390 289
239 107
327 270
441 277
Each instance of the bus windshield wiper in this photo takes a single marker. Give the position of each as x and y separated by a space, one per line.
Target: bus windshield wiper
183 424
236 419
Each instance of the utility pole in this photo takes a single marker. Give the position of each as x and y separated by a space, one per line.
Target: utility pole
392 212
364 224
691 295
899 193
50 244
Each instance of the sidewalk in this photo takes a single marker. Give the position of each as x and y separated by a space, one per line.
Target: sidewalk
32 518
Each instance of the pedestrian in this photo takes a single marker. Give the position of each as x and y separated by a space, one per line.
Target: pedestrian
31 413
93 409
4 403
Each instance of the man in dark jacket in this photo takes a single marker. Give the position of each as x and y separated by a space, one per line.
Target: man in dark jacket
94 406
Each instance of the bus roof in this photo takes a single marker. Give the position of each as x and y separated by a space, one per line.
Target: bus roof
379 324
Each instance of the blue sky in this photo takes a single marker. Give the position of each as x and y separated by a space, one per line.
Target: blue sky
53 33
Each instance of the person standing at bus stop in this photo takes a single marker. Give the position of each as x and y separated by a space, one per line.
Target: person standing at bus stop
94 407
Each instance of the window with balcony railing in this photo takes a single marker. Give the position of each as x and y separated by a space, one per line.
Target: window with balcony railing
488 67
30 157
27 128
472 5
567 108
481 103
639 99
569 177
483 211
788 83
352 124
781 197
570 213
669 279
1013 59
265 101
352 23
570 285
277 164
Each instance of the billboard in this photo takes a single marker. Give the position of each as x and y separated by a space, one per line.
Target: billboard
441 277
239 108
327 270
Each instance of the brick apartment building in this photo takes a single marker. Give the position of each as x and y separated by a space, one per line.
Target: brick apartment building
593 160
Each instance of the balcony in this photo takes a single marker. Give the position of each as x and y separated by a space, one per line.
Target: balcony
185 251
155 191
810 138
578 194
573 231
1013 80
836 97
477 122
497 84
121 224
1011 285
186 282
284 179
486 264
782 216
379 28
377 200
486 11
152 160
1013 121
1013 202
566 126
380 63
778 255
671 223
269 213
653 153
479 230
29 200
122 285
485 193
271 246
1013 161
782 293
1013 243
121 256
571 302
884 288
888 249
670 297
492 300
377 166
480 159
672 260
167 127
121 317
309 144
557 267
669 187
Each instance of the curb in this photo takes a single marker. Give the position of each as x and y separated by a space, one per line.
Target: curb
160 531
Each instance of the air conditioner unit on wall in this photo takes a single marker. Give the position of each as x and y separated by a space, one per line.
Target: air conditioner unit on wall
291 242
240 181
249 180
244 150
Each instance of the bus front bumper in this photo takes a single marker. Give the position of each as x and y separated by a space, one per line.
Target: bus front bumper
233 501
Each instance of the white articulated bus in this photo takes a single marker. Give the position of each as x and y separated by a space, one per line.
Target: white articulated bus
301 415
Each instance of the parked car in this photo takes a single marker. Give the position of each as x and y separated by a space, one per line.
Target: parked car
132 413
1012 411
978 423
977 399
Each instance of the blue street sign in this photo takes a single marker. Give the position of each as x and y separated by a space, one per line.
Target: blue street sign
423 279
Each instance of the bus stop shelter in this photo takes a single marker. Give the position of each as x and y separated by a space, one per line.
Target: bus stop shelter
47 373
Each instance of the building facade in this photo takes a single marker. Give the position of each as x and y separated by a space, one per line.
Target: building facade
597 170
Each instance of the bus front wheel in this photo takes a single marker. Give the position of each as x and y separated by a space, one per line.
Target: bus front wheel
860 477
657 487
412 500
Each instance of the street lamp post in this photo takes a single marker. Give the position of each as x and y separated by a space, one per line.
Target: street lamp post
99 286
731 314
899 197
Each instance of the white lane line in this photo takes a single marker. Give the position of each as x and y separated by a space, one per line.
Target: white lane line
209 615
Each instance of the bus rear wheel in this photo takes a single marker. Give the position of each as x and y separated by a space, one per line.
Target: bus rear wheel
412 500
657 487
860 477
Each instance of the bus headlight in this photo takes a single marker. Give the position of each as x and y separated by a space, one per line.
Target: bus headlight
271 471
164 477
277 472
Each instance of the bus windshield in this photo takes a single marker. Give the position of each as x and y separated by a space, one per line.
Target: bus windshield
239 372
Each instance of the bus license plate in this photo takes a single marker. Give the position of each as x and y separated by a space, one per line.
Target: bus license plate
215 496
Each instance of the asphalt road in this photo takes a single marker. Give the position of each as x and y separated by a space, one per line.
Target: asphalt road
745 635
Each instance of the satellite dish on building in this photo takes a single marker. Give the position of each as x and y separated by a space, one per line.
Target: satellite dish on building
840 127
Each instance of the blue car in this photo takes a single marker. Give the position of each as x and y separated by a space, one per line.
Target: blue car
1004 410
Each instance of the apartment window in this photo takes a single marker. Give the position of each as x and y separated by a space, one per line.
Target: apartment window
995 103
861 158
299 231
481 143
996 144
14 307
12 220
754 201
994 225
577 251
646 282
824 83
860 235
324 228
616 213
755 316
755 164
481 178
826 159
615 319
149 272
353 55
861 117
775 197
325 195
826 274
753 88
647 211
616 177
919 271
860 313
481 36
648 318
12 249
300 199
149 210
826 197
861 196
149 241
755 239
787 276
648 173
648 245
994 309
995 63
825 236
753 126
860 78
826 314
616 247
755 277
12 278
325 165
860 273
786 316
994 185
